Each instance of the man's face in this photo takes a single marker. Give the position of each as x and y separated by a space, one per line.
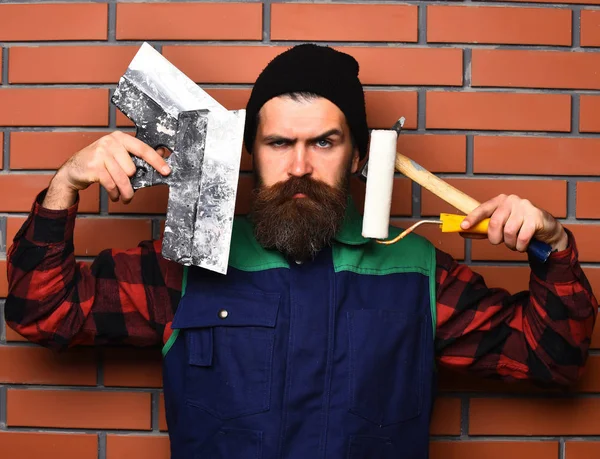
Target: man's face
303 157
298 138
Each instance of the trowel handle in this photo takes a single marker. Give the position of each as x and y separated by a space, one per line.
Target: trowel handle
456 198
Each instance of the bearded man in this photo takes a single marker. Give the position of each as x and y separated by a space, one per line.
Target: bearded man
318 343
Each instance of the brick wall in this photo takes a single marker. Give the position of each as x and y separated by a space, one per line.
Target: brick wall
500 97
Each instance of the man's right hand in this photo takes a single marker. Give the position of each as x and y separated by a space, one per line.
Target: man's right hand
106 161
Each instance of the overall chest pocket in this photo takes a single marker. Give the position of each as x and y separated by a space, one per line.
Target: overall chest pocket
229 338
386 364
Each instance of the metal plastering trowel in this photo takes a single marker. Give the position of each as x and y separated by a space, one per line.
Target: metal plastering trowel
170 110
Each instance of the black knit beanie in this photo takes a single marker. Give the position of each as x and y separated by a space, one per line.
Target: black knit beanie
314 69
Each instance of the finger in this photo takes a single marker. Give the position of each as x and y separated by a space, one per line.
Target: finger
164 152
512 228
481 212
497 222
123 158
120 178
526 234
142 150
109 184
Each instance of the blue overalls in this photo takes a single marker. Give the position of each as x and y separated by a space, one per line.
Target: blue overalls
331 358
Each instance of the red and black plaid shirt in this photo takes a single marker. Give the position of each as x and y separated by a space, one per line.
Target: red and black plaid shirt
130 297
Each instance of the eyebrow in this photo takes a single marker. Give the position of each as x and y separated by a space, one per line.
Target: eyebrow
280 138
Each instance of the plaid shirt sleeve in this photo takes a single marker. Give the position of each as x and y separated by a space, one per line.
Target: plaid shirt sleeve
124 297
542 334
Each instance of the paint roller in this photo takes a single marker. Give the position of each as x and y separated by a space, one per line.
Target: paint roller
382 162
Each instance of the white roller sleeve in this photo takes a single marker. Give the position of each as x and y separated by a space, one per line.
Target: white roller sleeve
380 180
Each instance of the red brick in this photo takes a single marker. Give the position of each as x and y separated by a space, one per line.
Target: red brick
242 64
535 69
47 150
92 235
587 200
132 368
589 113
314 22
449 243
550 195
446 417
512 416
436 153
151 200
221 64
384 108
13 336
401 196
69 64
493 449
582 449
1 147
408 66
512 278
27 445
188 21
586 237
590 28
78 409
20 191
137 447
498 111
536 155
37 365
493 24
162 419
3 279
53 22
53 107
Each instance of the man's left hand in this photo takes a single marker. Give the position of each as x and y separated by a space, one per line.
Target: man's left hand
516 221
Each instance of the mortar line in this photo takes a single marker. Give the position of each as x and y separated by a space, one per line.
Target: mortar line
470 159
421 109
4 66
571 198
575 108
576 27
561 448
6 149
101 445
154 411
416 200
112 22
464 417
4 243
467 58
422 24
3 410
266 18
155 229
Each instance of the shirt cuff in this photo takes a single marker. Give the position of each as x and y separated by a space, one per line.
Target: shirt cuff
47 226
561 267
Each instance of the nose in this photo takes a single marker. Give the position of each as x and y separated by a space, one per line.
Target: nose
301 164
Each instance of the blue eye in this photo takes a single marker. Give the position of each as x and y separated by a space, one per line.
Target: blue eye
322 143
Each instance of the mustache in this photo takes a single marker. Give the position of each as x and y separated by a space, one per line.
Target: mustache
282 192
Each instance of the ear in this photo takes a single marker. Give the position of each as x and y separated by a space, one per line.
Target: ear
355 161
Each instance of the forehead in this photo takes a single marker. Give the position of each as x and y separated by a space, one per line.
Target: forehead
288 117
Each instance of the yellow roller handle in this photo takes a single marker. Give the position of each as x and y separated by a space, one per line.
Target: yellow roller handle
451 224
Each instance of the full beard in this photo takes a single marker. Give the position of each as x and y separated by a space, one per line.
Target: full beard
299 227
